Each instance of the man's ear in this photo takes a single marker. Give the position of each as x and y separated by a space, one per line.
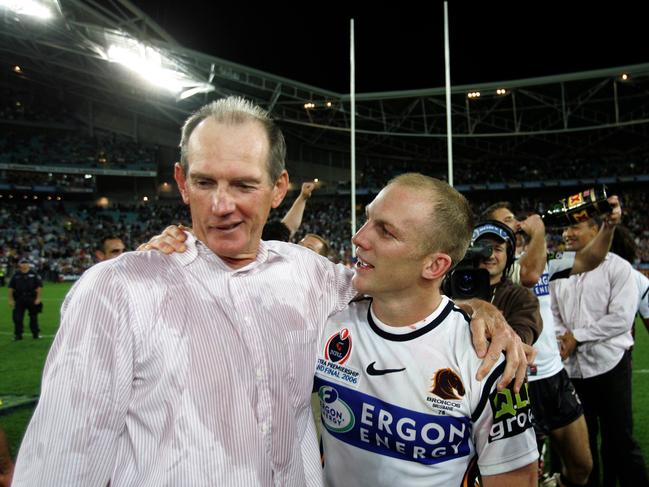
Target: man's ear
181 181
280 189
436 265
100 255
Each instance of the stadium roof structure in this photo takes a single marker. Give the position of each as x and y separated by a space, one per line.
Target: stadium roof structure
594 114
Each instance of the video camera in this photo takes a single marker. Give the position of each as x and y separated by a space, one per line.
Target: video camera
466 280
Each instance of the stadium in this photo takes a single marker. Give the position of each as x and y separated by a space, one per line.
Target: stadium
94 95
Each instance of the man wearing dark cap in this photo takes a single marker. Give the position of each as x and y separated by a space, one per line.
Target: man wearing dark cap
25 295
519 306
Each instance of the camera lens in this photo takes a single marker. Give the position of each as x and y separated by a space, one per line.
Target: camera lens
466 283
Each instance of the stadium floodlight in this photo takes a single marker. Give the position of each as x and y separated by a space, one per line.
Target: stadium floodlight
31 8
150 64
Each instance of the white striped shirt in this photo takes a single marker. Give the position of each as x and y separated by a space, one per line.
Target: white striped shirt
180 371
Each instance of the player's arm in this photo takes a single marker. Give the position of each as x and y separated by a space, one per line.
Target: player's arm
526 476
10 297
38 295
293 217
593 254
533 261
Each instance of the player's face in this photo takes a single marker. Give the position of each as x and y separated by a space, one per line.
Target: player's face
577 236
389 245
503 215
24 268
113 247
313 243
228 188
496 263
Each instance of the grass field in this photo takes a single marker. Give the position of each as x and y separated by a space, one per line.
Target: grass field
21 364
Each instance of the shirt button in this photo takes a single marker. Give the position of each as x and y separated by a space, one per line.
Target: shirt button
264 428
258 374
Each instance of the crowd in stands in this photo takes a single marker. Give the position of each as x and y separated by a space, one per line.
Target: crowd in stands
61 238
28 107
63 182
103 151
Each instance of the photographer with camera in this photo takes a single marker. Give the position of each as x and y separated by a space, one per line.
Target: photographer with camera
519 306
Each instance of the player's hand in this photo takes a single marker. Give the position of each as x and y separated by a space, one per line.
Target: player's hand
12 303
533 225
171 240
37 301
567 345
492 336
615 216
307 189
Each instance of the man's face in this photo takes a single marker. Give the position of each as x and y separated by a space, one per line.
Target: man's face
503 215
495 264
577 236
113 247
228 188
389 246
312 243
24 267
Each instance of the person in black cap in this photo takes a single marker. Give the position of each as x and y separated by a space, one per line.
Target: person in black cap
25 295
518 304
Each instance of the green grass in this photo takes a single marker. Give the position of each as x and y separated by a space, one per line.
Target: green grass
21 364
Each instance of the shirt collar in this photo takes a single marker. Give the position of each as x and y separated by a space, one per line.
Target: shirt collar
265 254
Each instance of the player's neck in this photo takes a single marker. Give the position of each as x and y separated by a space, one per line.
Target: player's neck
405 311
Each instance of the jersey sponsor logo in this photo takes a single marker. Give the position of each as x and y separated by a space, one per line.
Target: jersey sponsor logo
336 414
376 426
512 413
542 288
339 347
337 372
374 371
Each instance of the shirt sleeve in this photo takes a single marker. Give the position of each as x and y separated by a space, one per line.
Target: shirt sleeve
560 265
622 306
559 325
72 437
524 315
340 288
502 427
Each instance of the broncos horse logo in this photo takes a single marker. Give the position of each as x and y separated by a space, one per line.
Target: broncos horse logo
447 384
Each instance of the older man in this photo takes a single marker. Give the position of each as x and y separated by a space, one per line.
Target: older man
195 368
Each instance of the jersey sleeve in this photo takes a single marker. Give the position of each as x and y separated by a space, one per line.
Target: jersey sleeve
502 430
560 265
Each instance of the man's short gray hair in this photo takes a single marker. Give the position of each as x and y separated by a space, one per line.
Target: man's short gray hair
235 110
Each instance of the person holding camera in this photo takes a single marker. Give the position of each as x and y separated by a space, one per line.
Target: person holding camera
519 306
25 295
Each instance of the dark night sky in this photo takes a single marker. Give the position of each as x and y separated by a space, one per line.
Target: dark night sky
403 48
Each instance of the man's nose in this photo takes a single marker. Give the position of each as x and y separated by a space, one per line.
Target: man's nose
359 239
222 202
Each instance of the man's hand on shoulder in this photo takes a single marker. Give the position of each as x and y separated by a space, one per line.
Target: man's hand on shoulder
491 335
171 240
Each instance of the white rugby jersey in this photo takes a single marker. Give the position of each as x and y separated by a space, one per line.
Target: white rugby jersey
405 409
548 360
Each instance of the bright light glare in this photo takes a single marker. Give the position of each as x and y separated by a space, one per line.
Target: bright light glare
147 63
28 7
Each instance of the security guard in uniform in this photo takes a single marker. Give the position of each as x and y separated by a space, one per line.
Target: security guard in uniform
25 295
